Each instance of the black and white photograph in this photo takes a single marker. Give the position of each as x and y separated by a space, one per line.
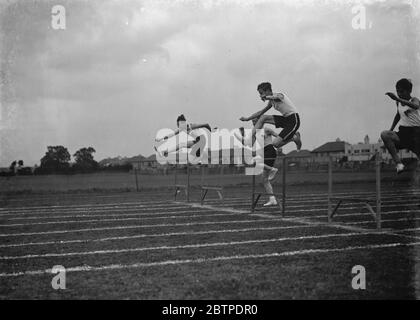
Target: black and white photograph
221 151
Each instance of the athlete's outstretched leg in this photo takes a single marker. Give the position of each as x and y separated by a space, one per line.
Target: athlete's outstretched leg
391 139
199 126
259 124
269 189
181 145
279 142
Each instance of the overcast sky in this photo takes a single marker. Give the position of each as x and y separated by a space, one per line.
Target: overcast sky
122 70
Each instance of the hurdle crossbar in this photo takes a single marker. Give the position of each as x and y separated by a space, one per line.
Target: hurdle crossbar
206 188
369 202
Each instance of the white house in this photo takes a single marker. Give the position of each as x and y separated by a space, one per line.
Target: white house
364 151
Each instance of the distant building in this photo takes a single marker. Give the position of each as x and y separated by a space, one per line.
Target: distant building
300 158
142 163
148 163
365 151
338 150
120 161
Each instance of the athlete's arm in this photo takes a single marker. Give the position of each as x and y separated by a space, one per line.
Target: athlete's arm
258 114
413 104
172 134
395 122
277 96
198 126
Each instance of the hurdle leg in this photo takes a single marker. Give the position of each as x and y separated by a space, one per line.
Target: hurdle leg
283 209
187 190
203 195
137 179
335 209
378 192
374 214
176 182
219 193
255 202
176 192
253 194
330 212
203 191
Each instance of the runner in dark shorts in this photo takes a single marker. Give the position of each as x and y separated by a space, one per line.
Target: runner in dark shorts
290 125
288 117
270 154
409 139
408 119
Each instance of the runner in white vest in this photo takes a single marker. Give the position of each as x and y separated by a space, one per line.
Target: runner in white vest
288 119
408 118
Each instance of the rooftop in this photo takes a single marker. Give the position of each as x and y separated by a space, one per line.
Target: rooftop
336 146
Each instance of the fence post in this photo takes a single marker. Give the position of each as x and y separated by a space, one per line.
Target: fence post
329 187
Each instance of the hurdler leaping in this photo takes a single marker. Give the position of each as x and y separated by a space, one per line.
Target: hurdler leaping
408 118
190 129
268 172
289 119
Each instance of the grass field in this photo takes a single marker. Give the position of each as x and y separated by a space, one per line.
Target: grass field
130 245
126 181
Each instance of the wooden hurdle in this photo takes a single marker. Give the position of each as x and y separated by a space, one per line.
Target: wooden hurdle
186 187
368 202
256 195
206 188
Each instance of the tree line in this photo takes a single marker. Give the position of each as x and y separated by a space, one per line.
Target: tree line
57 161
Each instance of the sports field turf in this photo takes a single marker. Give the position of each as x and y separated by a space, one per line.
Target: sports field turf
146 246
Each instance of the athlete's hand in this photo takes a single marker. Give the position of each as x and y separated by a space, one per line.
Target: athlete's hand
392 96
243 119
161 139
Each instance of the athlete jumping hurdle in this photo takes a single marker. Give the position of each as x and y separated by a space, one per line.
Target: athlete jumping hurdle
408 118
193 137
289 119
270 154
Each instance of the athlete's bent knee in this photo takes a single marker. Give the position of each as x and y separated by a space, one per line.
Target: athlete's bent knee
278 143
386 135
263 118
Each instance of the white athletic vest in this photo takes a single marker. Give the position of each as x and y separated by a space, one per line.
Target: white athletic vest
409 117
284 105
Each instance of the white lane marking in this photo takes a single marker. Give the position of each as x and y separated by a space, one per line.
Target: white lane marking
189 246
214 259
158 203
132 227
93 210
105 215
152 235
193 216
345 206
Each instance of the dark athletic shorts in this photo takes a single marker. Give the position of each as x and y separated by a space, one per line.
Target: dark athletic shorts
409 139
270 154
290 125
